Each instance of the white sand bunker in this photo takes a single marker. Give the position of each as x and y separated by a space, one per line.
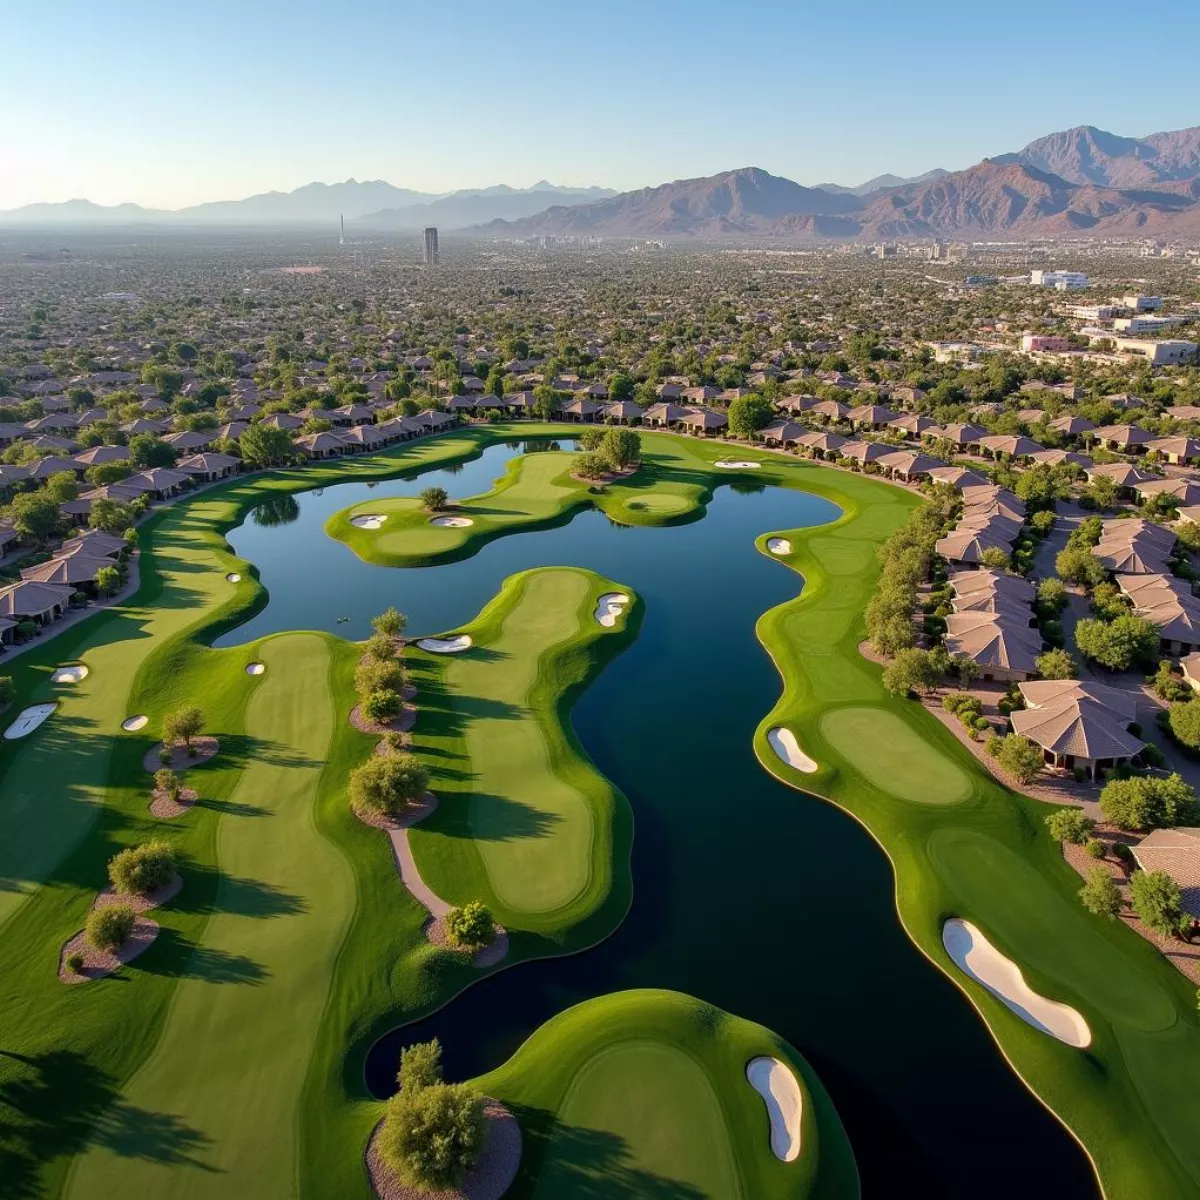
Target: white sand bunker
776 1083
783 742
72 674
452 522
29 720
255 668
732 464
233 577
133 724
453 645
779 545
368 521
977 957
609 607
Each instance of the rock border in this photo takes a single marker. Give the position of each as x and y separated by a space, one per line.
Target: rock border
488 1179
163 807
401 724
495 951
206 747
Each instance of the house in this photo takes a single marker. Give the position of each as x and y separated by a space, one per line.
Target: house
703 421
283 420
1124 477
76 571
1179 451
964 436
822 445
321 445
96 456
1079 726
866 452
1123 439
912 425
1168 603
957 477
352 414
361 437
663 415
579 409
1003 648
829 411
908 465
1135 547
871 416
37 602
191 441
1056 458
1177 852
1016 446
622 412
782 433
209 467
1184 492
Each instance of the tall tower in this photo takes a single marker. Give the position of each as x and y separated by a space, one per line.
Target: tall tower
342 238
431 246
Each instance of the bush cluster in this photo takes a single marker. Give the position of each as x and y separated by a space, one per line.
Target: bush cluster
109 928
470 926
142 869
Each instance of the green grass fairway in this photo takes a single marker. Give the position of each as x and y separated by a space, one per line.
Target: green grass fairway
644 1093
893 757
230 1062
530 813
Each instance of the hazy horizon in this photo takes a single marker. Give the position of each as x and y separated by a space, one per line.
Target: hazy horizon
166 108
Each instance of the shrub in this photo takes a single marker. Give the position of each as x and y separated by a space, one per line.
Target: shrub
434 499
1147 802
591 465
1169 686
1021 757
385 784
378 675
1158 901
381 705
6 690
381 647
1100 894
1095 848
420 1065
167 782
75 963
142 869
912 670
164 755
1057 664
108 928
470 925
182 725
391 622
1184 721
1070 825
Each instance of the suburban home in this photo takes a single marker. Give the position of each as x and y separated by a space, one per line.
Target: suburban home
579 409
829 411
908 466
1167 602
1177 852
1183 491
352 414
357 438
1014 446
37 602
1135 547
1123 439
622 412
866 452
1079 726
1179 451
912 425
964 436
283 420
703 421
822 445
77 571
1003 647
957 477
1056 458
871 416
782 433
96 456
321 445
663 415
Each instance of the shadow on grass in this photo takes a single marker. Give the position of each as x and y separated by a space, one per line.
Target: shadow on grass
492 818
236 895
53 1104
176 957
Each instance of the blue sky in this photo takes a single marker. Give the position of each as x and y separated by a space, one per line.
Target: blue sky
168 104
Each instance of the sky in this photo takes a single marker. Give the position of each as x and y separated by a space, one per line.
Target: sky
170 104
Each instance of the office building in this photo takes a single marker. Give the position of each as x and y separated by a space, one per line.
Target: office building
1062 281
431 246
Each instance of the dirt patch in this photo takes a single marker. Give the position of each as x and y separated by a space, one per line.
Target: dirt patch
872 655
401 724
486 956
488 1179
608 476
413 814
163 807
203 749
154 899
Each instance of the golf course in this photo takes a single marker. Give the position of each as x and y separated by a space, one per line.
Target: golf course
228 1059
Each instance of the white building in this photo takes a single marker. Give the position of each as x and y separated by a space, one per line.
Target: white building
1142 303
1166 353
1062 281
1145 324
1094 312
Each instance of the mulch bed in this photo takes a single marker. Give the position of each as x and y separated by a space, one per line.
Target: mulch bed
488 1179
203 749
413 814
401 724
485 956
99 963
162 806
608 476
1183 955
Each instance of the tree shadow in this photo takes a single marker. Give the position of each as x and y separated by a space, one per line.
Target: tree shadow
180 958
237 895
497 819
53 1104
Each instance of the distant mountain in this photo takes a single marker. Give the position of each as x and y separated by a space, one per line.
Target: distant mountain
1087 155
462 209
746 201
882 181
313 204
78 212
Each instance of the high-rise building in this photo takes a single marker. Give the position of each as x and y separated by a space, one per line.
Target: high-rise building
431 246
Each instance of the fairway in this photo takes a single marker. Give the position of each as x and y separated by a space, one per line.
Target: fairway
646 1111
893 756
230 1063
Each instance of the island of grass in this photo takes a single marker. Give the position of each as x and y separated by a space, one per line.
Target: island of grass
645 1093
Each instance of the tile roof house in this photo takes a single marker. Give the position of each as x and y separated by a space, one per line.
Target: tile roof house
1177 852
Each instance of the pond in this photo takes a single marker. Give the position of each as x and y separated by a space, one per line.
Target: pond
748 894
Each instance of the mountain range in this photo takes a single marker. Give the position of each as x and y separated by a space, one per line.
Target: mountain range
1078 182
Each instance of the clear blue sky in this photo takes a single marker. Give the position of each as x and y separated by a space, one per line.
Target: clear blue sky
177 101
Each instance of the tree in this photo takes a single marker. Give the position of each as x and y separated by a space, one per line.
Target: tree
1100 894
1184 721
182 725
164 378
912 670
109 928
1070 825
378 674
6 690
381 705
545 403
62 486
621 387
995 558
265 446
470 926
1020 757
385 784
381 647
967 669
433 1132
110 516
142 869
167 782
1052 594
495 382
1158 901
1057 664
434 499
590 438
621 448
1119 644
390 623
35 516
591 465
749 414
108 579
146 451
106 473
1147 802
1076 564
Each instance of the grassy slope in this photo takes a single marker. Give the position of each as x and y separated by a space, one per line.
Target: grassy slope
988 858
644 1093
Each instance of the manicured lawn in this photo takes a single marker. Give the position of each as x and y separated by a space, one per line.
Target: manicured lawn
644 1093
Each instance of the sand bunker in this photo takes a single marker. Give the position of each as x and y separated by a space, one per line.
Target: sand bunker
255 668
69 674
609 607
977 957
731 464
28 721
368 521
133 724
776 1083
233 577
783 742
452 522
452 645
779 545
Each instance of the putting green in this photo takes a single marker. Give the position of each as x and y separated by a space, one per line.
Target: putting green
890 753
644 1093
225 1077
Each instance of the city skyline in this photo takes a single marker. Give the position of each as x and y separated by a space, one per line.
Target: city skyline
221 102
